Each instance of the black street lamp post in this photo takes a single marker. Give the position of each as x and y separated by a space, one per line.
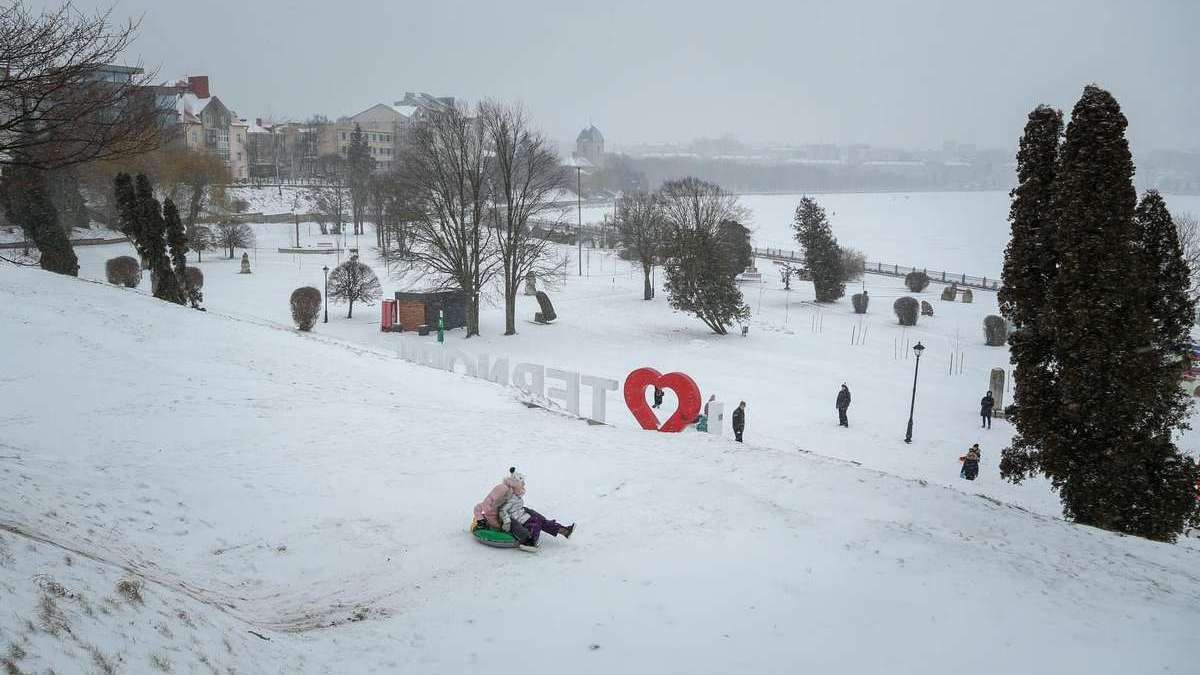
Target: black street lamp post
325 298
917 349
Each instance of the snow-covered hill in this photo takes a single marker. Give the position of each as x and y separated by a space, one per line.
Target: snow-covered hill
252 480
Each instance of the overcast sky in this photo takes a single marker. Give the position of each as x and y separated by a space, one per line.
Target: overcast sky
911 74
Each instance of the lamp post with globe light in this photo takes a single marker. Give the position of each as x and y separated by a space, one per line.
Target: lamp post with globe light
917 349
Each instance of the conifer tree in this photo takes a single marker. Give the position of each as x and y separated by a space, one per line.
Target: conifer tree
177 240
1115 348
1029 265
822 255
163 282
359 164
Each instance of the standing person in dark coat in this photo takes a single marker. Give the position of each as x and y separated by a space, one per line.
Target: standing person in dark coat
658 396
986 405
739 421
843 404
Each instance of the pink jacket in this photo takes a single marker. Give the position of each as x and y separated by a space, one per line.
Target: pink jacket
487 509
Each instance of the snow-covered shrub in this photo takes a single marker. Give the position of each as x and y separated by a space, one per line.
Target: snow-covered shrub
906 309
926 308
949 292
916 281
995 330
306 305
860 302
124 271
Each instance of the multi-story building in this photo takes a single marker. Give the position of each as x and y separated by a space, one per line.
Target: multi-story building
385 127
203 122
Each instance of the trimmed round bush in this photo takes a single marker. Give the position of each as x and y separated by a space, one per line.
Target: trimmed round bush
860 302
950 292
916 281
906 309
195 277
306 305
123 271
926 308
995 330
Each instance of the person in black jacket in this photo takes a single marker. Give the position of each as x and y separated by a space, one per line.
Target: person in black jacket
658 396
986 405
739 421
843 404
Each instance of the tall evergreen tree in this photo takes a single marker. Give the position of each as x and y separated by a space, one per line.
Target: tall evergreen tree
1107 447
359 165
822 256
154 242
26 196
736 238
1029 266
177 241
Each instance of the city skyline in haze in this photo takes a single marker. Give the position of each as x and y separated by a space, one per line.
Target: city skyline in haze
900 74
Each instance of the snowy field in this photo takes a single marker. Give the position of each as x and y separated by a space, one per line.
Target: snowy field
315 489
963 232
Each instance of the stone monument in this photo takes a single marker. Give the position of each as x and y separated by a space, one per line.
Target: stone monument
996 386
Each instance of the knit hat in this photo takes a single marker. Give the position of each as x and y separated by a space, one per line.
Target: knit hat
515 481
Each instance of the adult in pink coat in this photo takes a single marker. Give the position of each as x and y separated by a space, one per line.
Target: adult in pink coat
486 511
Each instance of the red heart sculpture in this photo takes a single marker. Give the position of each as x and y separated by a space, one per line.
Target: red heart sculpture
685 390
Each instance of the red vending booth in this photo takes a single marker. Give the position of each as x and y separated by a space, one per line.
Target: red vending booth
387 320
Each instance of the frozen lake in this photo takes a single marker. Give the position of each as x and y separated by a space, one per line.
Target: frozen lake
962 232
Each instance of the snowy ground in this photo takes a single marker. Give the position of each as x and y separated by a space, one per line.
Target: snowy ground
315 490
787 370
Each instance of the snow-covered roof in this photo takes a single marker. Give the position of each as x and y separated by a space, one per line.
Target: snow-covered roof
190 106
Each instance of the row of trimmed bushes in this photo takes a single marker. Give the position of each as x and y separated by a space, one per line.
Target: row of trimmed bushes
126 271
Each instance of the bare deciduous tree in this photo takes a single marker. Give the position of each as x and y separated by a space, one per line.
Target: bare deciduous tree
1189 240
640 227
524 174
353 282
444 168
58 109
230 235
331 203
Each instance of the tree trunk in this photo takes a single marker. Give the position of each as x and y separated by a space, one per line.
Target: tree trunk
27 202
648 288
473 316
510 310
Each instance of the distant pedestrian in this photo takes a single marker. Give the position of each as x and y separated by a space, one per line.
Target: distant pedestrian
843 404
708 403
970 463
986 405
739 421
658 396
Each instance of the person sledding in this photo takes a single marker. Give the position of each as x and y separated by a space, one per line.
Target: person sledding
970 463
508 513
487 511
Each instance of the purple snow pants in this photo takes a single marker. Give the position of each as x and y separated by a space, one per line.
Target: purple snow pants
536 524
